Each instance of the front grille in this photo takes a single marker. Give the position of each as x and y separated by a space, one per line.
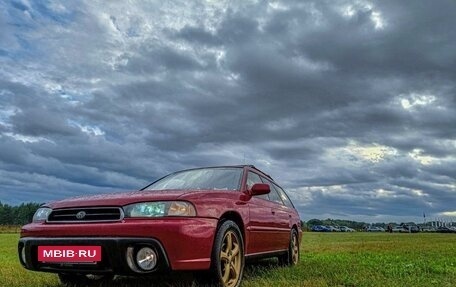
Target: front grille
89 214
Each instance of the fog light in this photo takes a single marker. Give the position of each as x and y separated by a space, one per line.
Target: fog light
146 258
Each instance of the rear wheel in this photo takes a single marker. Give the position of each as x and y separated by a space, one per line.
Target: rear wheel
228 255
291 258
76 280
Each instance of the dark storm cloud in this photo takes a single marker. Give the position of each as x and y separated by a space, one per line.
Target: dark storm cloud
416 40
349 105
40 122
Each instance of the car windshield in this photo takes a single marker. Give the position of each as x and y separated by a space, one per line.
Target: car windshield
204 179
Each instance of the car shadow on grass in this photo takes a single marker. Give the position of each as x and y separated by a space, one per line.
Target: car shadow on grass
253 268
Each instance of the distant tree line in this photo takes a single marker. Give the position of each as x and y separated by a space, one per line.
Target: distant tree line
17 215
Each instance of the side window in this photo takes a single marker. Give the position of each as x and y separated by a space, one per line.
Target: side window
273 195
284 196
253 178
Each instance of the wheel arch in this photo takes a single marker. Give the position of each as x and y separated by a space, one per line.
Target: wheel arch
236 218
295 227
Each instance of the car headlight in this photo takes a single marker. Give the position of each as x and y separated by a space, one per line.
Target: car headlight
160 209
41 214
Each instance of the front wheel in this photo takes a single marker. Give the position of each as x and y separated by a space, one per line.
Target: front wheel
228 255
291 258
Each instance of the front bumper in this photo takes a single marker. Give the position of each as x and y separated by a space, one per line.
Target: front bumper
114 255
180 243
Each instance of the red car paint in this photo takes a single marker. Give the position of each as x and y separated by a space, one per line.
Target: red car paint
187 241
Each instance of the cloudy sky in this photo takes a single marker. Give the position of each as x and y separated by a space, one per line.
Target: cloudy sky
349 105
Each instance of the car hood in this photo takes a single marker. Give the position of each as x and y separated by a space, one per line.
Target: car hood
118 198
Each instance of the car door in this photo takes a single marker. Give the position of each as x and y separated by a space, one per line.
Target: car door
263 231
288 207
282 217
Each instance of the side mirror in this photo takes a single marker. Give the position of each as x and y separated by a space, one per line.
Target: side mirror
260 188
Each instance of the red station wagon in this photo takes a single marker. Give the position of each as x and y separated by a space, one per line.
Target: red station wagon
198 219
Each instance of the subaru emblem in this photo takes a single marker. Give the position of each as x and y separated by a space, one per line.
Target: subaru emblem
80 215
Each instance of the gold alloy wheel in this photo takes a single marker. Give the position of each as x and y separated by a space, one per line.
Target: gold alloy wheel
230 259
294 249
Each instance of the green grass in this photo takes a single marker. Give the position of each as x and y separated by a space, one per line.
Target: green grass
366 259
10 228
327 259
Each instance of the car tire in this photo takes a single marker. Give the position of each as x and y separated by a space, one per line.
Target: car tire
291 258
228 255
76 280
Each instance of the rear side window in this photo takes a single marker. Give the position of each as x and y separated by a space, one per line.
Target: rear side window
273 195
284 196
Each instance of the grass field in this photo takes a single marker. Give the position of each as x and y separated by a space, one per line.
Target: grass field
10 228
327 259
